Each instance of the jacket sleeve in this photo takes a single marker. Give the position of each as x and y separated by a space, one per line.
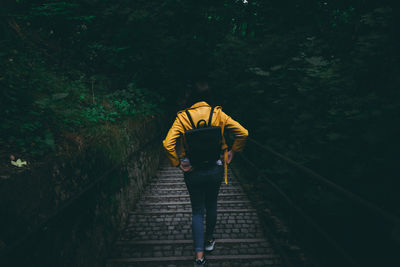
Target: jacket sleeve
239 132
169 142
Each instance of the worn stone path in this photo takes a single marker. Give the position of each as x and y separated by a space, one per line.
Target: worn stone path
159 229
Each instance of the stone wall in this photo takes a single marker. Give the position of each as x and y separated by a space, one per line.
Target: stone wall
68 209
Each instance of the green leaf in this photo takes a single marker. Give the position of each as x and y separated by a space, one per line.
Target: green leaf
18 163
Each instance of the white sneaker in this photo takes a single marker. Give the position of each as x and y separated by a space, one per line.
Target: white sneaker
200 262
209 246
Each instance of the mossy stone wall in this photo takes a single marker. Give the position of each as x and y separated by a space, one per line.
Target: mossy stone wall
68 209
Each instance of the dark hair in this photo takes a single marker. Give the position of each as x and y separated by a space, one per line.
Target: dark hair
202 93
197 96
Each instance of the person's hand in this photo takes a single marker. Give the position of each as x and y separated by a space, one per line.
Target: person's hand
185 167
231 153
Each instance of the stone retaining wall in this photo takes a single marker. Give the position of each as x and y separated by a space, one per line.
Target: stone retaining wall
68 209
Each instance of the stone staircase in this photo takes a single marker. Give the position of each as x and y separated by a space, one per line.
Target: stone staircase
159 229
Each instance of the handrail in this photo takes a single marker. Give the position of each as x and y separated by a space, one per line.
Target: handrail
386 215
71 201
327 237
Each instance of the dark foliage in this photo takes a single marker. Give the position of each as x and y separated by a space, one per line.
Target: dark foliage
316 80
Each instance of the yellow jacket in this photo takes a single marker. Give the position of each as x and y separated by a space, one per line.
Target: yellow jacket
201 110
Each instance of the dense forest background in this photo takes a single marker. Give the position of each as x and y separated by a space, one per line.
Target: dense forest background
317 81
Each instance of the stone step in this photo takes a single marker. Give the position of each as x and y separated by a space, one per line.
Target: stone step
184 247
188 202
268 260
183 186
186 241
134 234
169 176
168 168
169 180
183 191
168 211
176 206
178 175
167 172
154 226
185 197
182 182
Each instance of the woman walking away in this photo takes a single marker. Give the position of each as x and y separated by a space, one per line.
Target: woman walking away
203 160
